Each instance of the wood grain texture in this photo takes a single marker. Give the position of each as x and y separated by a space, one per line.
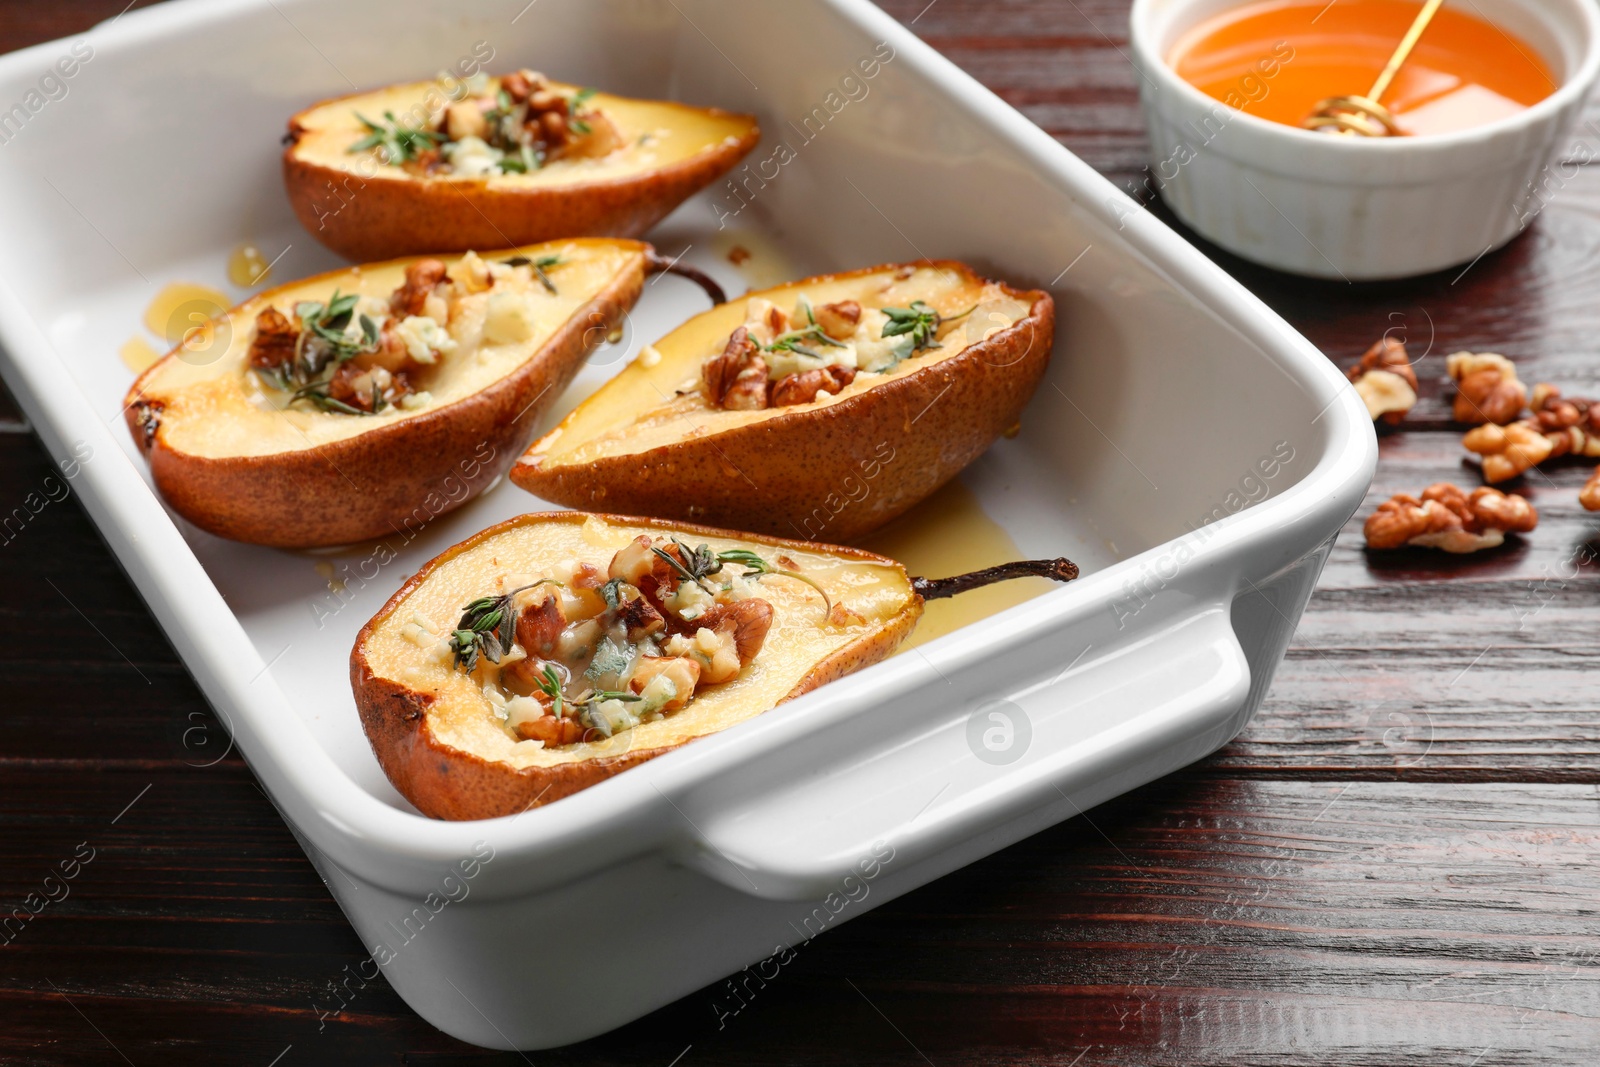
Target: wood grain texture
1395 864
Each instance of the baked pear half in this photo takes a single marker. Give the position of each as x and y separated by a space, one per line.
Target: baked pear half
554 650
368 401
450 165
828 406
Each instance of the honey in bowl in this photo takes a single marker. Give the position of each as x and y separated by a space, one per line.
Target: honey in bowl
1279 59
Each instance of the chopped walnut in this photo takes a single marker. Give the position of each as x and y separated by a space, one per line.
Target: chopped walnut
275 339
520 84
802 387
368 388
422 279
720 370
839 320
1385 381
751 389
550 120
1487 388
731 635
1449 519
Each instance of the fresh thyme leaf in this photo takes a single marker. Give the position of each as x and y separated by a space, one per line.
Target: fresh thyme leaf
746 559
399 144
488 627
317 396
683 572
327 323
756 566
576 104
542 264
791 341
702 563
525 160
323 346
539 266
919 322
597 696
549 683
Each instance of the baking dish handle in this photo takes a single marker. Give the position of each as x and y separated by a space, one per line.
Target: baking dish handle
989 773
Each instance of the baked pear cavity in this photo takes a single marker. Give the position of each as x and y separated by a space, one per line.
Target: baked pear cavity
370 400
446 166
821 408
548 653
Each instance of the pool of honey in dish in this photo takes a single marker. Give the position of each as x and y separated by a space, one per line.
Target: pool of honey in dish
1278 59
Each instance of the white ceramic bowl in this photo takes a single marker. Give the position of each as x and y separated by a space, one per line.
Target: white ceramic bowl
1356 208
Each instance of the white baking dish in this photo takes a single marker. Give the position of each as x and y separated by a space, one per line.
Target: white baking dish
1172 392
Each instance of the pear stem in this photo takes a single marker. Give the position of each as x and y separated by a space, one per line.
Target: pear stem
657 264
1057 570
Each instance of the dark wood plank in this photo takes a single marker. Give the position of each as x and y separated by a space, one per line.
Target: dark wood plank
1399 923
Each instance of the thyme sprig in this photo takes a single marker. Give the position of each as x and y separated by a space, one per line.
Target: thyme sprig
758 566
549 683
539 266
526 159
488 627
579 99
584 704
321 348
329 322
703 562
919 324
398 143
588 704
811 333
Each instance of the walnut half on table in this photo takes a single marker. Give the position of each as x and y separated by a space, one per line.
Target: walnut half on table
1449 519
1559 426
1487 388
1385 381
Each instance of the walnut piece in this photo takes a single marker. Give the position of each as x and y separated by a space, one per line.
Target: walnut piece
1385 380
1487 388
1589 495
1450 519
1559 426
274 342
802 387
723 370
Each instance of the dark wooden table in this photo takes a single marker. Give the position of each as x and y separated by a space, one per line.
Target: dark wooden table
1395 864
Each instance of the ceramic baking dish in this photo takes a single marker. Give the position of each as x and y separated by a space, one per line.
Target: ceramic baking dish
1189 449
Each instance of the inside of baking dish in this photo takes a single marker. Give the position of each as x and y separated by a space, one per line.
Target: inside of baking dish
1156 416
